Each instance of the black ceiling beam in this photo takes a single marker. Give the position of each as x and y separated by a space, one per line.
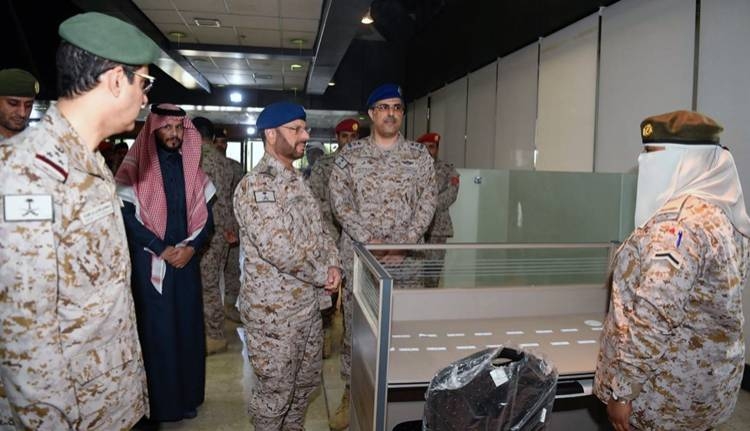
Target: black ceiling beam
338 25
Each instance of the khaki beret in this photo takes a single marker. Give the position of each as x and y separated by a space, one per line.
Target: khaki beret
18 83
681 127
110 38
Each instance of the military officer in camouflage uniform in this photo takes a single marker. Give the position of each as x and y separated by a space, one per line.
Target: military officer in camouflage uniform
672 350
287 258
215 165
232 266
18 88
346 132
383 190
441 227
69 356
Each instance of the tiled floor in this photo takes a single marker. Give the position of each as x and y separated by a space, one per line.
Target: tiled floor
229 378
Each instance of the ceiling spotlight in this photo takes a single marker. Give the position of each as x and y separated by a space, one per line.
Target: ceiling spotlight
177 34
297 41
251 130
331 84
295 66
235 97
367 19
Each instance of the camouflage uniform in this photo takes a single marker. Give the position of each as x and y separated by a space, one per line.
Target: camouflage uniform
672 341
386 195
214 256
319 178
441 227
70 353
232 267
285 258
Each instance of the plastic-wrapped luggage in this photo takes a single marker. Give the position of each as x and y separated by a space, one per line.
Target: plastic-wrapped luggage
495 389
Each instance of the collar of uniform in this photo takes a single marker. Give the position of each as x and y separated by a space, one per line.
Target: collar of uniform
68 141
397 147
275 167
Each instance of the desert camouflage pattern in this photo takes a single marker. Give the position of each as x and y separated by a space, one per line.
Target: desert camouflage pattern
70 357
232 267
218 169
286 259
379 195
672 341
447 183
319 178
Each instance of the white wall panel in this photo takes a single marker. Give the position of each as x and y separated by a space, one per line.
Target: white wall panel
567 98
724 87
448 117
480 118
515 116
646 68
420 118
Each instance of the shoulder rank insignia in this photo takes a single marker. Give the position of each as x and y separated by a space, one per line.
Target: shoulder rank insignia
265 196
51 166
341 162
669 257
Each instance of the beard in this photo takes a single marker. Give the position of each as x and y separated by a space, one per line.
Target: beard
289 150
171 145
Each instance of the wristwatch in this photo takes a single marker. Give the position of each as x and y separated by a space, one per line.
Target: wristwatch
617 399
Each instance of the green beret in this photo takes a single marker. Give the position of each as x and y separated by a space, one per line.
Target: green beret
109 38
681 127
18 83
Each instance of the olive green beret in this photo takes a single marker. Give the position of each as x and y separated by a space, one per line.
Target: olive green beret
110 38
681 127
18 83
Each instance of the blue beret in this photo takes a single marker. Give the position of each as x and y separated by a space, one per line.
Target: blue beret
385 91
279 113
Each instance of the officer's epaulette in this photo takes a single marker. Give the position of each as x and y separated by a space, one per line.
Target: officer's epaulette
671 210
355 145
52 162
269 171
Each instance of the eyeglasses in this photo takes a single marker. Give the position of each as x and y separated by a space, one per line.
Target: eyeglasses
298 129
148 81
384 107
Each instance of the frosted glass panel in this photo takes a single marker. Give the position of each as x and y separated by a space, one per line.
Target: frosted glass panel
567 97
646 68
532 206
516 109
480 121
448 117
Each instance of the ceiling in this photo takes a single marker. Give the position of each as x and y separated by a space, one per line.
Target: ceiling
211 48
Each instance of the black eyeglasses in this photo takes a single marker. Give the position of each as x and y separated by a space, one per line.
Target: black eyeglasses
148 81
384 107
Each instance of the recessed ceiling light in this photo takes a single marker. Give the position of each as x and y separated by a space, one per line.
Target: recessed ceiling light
235 97
176 34
207 22
297 41
367 19
251 130
295 66
331 84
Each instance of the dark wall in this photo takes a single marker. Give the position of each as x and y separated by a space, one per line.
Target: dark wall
469 34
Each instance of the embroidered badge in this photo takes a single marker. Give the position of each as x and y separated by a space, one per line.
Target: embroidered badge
27 207
265 196
341 162
96 212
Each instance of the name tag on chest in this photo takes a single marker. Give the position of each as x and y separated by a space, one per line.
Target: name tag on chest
27 207
96 212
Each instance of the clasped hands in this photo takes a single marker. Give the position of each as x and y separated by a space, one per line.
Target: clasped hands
178 256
